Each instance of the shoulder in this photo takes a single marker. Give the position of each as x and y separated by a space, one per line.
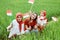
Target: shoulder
14 21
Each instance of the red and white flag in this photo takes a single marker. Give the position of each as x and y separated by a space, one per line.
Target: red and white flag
9 13
31 1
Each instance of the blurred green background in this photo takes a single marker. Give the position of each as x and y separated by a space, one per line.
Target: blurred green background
51 32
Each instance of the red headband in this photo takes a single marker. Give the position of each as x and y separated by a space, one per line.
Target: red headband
44 12
19 14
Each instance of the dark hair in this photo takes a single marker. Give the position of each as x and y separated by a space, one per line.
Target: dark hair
35 18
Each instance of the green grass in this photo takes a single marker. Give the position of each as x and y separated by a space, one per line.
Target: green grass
52 7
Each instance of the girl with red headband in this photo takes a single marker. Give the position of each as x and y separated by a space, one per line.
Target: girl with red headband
42 20
17 26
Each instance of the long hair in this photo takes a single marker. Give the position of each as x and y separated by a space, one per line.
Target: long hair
35 18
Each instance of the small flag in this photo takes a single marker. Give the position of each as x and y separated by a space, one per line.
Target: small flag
9 13
54 19
31 1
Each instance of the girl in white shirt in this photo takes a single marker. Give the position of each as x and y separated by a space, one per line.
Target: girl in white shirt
17 26
42 20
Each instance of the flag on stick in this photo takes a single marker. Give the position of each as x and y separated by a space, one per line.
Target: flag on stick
31 1
9 13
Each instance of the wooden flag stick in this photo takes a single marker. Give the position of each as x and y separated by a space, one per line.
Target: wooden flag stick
31 8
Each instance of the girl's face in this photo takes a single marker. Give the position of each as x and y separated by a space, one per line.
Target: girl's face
35 16
32 16
41 14
19 18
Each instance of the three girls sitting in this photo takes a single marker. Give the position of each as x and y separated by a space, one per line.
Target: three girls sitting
32 23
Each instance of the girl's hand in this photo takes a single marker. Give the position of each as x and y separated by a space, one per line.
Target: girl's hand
8 27
35 27
29 28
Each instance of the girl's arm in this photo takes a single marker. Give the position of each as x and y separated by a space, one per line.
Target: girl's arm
28 28
10 26
36 26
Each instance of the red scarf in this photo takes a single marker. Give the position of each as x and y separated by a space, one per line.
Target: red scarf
19 22
20 25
